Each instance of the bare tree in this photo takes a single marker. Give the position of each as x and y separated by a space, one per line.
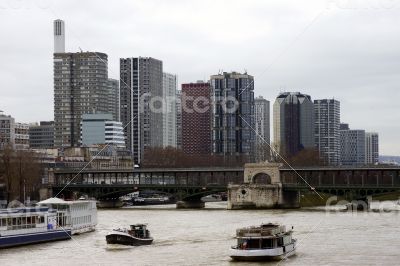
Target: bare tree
21 172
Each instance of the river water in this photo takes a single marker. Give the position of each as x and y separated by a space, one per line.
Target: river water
203 237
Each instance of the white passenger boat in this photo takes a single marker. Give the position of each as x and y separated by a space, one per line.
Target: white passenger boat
82 214
265 242
22 226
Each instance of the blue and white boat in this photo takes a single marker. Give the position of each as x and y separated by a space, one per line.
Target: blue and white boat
22 226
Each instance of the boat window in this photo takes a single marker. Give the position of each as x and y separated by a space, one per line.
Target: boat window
3 221
42 219
267 243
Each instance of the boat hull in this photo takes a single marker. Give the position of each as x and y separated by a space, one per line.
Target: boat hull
125 239
34 238
263 254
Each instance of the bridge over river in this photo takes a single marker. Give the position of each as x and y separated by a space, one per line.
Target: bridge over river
194 183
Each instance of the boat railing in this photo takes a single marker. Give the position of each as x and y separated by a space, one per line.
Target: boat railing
23 226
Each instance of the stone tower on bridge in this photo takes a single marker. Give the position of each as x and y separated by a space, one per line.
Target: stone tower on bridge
261 189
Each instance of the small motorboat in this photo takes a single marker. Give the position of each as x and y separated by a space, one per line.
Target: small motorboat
262 243
137 235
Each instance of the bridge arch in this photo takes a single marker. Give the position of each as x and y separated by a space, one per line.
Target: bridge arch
261 178
262 173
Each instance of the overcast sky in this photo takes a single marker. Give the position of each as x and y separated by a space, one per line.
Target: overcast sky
346 49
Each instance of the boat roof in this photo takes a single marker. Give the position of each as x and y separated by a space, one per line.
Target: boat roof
24 210
61 201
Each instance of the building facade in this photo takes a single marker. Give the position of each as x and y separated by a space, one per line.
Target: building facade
327 126
196 118
41 136
21 136
99 129
371 148
141 107
7 130
178 106
293 120
262 127
113 98
352 146
80 87
169 112
233 115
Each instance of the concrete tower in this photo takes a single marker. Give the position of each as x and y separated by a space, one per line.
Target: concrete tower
59 36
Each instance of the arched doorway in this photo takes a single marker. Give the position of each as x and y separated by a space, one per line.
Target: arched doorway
262 178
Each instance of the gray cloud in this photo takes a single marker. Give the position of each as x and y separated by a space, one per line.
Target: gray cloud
343 49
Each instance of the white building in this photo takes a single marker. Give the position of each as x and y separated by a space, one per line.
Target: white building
169 112
21 136
101 129
371 148
327 125
262 127
59 36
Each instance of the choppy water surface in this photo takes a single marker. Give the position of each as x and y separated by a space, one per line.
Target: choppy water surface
203 237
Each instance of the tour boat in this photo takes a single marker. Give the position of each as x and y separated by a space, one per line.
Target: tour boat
137 235
22 226
81 214
266 242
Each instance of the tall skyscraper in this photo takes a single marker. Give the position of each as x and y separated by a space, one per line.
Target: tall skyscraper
178 107
113 98
262 127
196 118
80 87
371 148
293 123
233 114
169 113
352 146
141 103
327 125
59 36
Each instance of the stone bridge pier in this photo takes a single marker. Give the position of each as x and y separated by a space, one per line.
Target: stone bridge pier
261 189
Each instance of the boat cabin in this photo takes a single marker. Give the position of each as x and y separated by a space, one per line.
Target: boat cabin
139 231
266 236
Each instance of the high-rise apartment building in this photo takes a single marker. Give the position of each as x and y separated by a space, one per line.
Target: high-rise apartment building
371 148
141 107
327 126
80 87
196 118
113 98
262 127
352 146
59 36
41 136
233 114
169 112
293 123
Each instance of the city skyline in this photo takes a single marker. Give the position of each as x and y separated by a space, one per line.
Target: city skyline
353 79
